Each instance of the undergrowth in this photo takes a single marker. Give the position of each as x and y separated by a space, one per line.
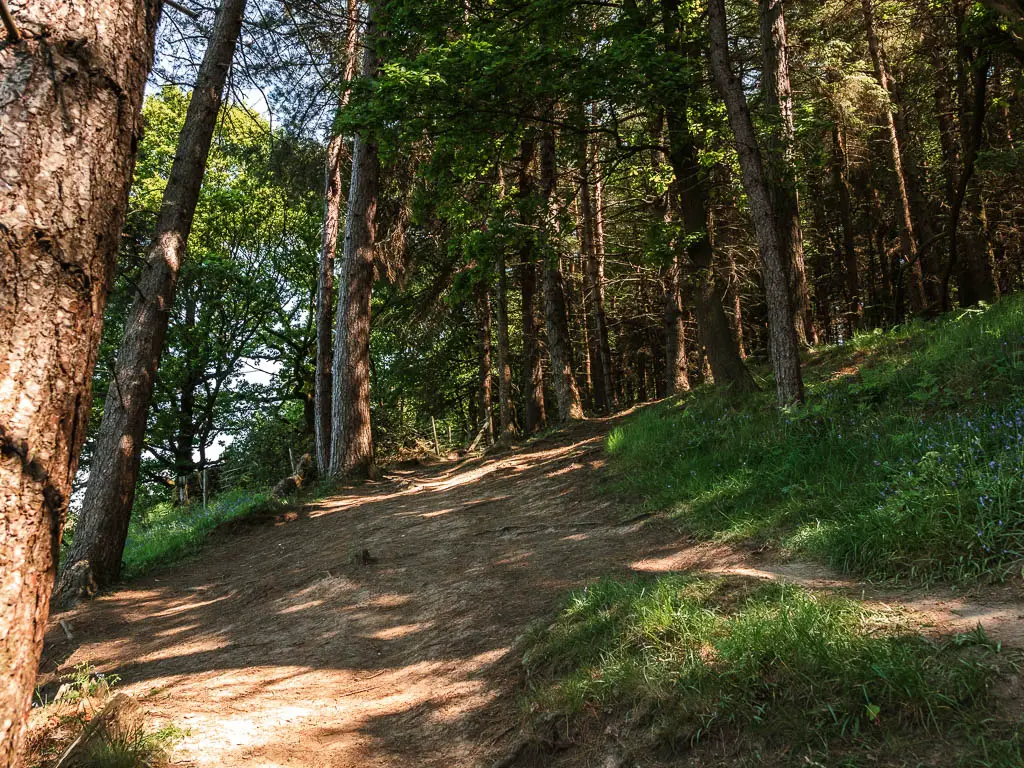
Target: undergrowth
769 669
906 462
166 533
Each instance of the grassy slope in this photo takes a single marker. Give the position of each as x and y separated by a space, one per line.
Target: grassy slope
906 463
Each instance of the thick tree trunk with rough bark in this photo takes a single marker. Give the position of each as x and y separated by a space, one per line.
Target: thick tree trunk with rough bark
785 352
70 94
908 237
328 249
534 416
570 407
102 525
351 438
779 161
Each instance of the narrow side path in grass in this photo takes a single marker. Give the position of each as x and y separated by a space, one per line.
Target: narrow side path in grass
282 644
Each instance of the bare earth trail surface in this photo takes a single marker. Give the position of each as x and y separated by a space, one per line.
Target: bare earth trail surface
282 645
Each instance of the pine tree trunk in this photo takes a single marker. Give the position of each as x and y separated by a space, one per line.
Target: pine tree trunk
556 319
69 124
593 285
102 525
534 416
690 201
328 249
851 273
779 161
677 378
605 345
908 238
483 306
504 368
785 353
351 437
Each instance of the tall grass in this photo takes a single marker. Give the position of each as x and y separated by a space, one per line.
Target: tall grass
907 461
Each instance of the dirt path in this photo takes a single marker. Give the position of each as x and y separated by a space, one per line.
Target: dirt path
279 646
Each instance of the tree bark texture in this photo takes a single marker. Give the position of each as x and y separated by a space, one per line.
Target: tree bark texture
70 94
593 286
483 400
351 438
102 526
677 378
328 249
570 407
504 368
780 166
534 416
784 347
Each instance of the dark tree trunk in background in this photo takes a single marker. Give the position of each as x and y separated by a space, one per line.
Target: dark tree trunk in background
784 347
570 407
780 168
102 525
505 426
851 272
534 417
483 398
690 203
328 248
908 237
975 280
72 88
677 378
593 283
351 438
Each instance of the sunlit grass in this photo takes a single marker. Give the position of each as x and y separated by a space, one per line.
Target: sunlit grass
680 661
907 461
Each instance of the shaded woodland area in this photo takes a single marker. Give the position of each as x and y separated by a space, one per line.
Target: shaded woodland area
233 235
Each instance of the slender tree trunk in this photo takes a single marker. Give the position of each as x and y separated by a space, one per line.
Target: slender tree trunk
534 417
69 123
328 248
506 428
593 284
676 377
780 168
483 305
102 526
908 238
690 200
785 351
605 345
351 437
851 273
570 408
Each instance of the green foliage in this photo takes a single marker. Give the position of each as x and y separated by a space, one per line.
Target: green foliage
762 666
134 747
906 463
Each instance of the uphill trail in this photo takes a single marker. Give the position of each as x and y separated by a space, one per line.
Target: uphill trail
281 644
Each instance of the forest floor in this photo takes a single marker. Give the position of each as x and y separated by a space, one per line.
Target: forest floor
282 644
